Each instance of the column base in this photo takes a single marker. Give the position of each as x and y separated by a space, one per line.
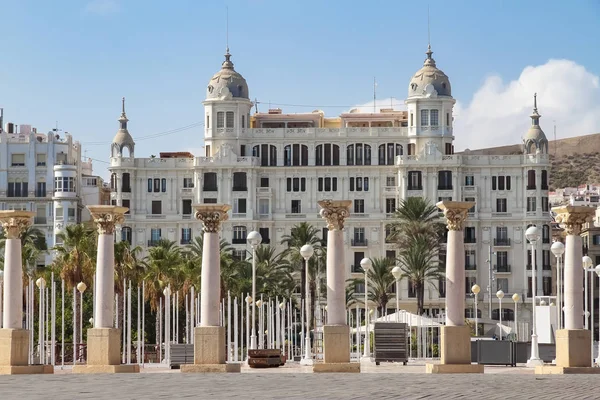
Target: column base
210 368
336 344
554 370
26 369
573 348
535 363
14 357
209 345
454 369
336 367
306 361
106 369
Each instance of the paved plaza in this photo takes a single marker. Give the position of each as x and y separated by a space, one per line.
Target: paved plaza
383 382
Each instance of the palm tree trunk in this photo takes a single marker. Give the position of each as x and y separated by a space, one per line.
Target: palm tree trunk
420 295
157 331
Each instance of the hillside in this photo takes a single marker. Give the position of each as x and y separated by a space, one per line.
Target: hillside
575 161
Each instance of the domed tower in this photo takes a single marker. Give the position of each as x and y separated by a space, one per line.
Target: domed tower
123 140
429 105
227 110
535 139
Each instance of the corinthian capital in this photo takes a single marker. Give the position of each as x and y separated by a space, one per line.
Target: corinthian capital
107 217
455 212
211 216
14 222
573 217
335 212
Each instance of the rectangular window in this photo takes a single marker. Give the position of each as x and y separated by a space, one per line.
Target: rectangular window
220 119
494 182
289 184
547 285
263 206
264 182
156 185
296 184
239 206
469 282
447 119
531 179
359 206
156 207
186 207
424 117
210 201
502 284
470 260
229 119
390 206
531 204
500 183
411 119
470 236
296 207
186 235
207 121
188 182
544 204
414 180
471 199
17 160
501 205
508 182
155 234
40 190
390 181
243 121
433 114
40 159
469 180
210 182
445 180
164 184
264 233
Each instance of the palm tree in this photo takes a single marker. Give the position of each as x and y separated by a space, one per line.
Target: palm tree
228 264
33 245
273 273
381 282
419 264
128 267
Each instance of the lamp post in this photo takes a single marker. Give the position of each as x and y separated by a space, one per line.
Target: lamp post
533 235
558 249
366 265
81 287
254 239
587 264
500 296
516 299
307 252
397 272
476 289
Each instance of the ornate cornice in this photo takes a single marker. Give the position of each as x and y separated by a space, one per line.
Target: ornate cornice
456 213
107 217
573 217
211 216
14 222
335 212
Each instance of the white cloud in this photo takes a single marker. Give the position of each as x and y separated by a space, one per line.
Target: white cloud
390 102
103 7
498 113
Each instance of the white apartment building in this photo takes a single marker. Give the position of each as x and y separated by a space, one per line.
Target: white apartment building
44 173
273 168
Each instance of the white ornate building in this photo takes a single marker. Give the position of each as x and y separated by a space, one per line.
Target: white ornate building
274 167
44 173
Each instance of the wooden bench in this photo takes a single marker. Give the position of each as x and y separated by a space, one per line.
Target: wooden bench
265 358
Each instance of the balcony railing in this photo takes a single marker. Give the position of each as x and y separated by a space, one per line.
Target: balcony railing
471 267
240 188
470 240
356 269
126 189
444 187
530 187
502 269
502 242
415 187
359 242
209 188
238 241
546 267
40 193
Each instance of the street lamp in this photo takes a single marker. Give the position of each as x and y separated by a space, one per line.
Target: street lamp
397 272
558 249
307 252
516 299
587 264
254 239
500 295
533 235
81 287
366 265
476 289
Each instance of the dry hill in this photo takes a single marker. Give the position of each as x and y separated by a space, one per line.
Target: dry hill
575 161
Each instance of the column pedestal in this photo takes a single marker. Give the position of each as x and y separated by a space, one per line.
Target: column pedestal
336 355
104 353
455 352
573 354
210 349
14 357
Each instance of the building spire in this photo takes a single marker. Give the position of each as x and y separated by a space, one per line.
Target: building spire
123 119
535 103
123 110
227 64
535 117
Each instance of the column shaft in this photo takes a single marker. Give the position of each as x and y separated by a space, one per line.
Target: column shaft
105 282
13 285
211 280
455 279
336 278
573 277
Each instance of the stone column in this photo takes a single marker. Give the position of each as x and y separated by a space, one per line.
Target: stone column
14 340
573 344
104 341
209 338
336 332
455 349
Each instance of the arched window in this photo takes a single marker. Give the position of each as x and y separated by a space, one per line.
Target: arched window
295 155
350 155
507 314
358 154
327 154
266 153
388 152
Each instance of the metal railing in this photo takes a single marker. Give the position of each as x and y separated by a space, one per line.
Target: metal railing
359 242
502 268
502 242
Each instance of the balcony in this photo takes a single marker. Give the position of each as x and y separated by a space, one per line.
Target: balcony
356 269
359 242
530 187
238 241
502 269
238 215
126 189
502 242
40 193
546 267
153 243
187 190
470 240
444 187
208 188
240 188
155 216
415 187
186 216
295 215
471 267
39 220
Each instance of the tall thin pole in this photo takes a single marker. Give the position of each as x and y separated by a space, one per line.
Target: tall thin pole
534 359
517 320
138 352
160 329
81 317
374 95
367 350
143 322
74 325
53 335
397 299
129 324
253 337
62 317
476 316
228 326
491 277
235 329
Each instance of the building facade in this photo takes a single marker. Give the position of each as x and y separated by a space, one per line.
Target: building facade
274 167
44 173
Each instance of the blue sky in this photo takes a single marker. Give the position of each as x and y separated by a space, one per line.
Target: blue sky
71 61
